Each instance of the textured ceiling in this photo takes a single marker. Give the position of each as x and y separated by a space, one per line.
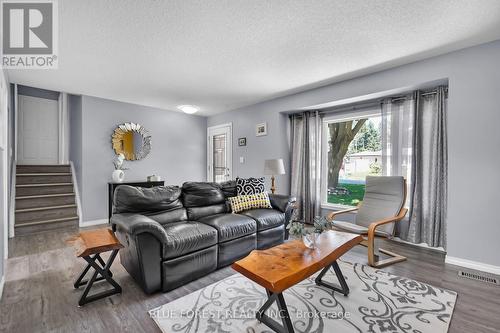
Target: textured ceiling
225 54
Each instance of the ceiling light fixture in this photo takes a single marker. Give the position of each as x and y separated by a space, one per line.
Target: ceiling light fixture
189 109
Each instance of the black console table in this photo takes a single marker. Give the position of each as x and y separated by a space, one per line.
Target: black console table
112 187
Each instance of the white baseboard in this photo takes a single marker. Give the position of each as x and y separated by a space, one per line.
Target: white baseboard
93 222
473 265
2 283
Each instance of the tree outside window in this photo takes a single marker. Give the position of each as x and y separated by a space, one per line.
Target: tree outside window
354 152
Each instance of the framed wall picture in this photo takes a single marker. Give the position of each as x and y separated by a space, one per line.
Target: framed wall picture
261 129
242 142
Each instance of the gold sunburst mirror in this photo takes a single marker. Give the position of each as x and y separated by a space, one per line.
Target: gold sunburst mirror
132 140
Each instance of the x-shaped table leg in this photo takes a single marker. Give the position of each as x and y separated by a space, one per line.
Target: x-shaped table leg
344 289
287 326
105 274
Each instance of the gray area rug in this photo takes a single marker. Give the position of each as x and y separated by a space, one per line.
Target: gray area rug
378 302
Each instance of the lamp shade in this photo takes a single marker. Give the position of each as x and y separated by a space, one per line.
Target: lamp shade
274 167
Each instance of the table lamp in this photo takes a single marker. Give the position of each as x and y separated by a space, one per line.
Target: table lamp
274 167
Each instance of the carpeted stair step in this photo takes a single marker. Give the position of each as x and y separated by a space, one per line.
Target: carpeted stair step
46 225
41 189
46 200
43 178
60 168
29 215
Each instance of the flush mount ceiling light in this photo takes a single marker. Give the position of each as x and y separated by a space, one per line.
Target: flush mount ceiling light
189 109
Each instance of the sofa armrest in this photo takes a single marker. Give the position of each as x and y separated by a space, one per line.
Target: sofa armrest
282 202
285 204
143 240
134 224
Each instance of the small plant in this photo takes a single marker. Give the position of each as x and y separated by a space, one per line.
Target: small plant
321 224
297 228
118 162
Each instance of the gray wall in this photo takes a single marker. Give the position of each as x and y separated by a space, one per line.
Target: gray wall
178 148
259 148
75 136
473 118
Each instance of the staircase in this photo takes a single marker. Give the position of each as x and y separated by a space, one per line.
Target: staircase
45 199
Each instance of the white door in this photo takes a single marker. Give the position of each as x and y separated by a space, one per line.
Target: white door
219 154
38 138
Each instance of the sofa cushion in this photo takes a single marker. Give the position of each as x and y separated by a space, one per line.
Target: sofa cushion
245 186
168 216
186 237
198 194
230 226
266 218
195 213
228 188
130 199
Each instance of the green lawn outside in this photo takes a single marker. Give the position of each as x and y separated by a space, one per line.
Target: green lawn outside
357 192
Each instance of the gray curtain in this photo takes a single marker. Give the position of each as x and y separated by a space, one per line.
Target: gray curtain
397 145
306 163
428 190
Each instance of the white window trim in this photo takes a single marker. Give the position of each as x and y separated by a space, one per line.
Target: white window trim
337 118
336 207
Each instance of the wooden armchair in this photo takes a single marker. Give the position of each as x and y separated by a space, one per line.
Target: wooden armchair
381 209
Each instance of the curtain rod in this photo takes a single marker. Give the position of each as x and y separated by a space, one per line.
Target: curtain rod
355 107
370 103
430 92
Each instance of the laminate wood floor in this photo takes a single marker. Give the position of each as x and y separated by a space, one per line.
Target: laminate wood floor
38 294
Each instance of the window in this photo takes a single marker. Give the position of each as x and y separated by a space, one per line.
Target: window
352 151
375 141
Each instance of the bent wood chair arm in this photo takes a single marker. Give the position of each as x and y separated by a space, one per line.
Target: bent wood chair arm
373 226
332 215
372 261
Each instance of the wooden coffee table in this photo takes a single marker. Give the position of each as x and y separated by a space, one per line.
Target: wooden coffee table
281 267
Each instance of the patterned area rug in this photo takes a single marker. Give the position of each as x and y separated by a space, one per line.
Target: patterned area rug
378 302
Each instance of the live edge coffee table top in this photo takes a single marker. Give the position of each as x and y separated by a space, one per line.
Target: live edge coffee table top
90 242
280 267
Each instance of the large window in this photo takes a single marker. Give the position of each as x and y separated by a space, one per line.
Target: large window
352 151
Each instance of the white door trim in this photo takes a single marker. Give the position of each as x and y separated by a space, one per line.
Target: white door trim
4 151
63 128
12 217
229 149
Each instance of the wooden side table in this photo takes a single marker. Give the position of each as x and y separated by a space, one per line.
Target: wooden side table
89 245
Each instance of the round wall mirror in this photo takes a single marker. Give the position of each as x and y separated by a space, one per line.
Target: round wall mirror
131 140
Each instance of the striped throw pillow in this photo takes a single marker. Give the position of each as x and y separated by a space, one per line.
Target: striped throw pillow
241 203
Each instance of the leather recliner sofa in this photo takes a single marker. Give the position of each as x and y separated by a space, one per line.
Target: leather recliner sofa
173 235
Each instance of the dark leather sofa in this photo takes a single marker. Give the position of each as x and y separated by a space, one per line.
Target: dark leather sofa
173 235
